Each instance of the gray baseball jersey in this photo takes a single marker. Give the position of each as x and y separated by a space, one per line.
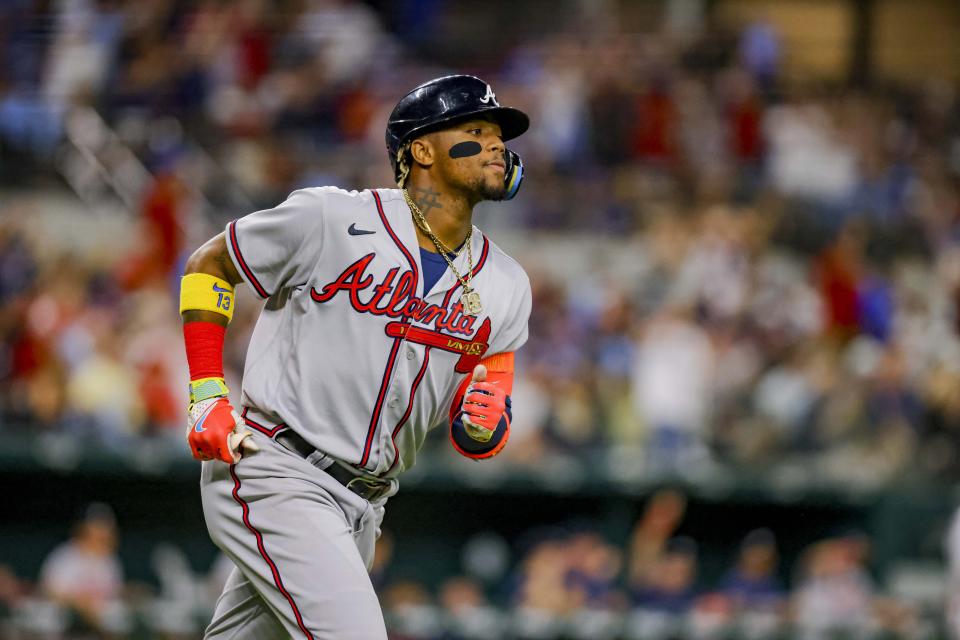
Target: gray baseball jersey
350 351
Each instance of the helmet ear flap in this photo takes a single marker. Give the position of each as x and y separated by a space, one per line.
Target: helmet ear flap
513 175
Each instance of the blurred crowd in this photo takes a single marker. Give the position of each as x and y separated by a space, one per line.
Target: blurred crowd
777 274
567 581
733 268
572 582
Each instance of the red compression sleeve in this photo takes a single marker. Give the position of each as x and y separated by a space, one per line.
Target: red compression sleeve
204 343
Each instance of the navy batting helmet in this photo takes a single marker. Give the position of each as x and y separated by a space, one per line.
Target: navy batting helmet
442 102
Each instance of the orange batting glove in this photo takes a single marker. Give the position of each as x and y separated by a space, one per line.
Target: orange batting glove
483 405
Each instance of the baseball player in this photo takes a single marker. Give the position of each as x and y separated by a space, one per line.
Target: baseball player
388 314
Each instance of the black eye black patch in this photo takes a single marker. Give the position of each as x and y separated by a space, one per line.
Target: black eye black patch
465 149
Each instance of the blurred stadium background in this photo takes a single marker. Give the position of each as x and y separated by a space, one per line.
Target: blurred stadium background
738 414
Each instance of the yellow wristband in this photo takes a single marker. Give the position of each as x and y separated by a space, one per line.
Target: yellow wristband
205 388
204 292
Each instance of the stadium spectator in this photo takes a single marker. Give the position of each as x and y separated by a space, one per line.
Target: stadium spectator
468 613
659 522
835 594
672 387
752 584
84 574
671 586
542 588
594 566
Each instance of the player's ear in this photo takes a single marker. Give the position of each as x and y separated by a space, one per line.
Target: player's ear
422 151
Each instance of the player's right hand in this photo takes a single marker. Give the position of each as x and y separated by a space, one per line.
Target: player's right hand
216 431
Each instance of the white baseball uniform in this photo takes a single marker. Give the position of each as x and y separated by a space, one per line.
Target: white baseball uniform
357 360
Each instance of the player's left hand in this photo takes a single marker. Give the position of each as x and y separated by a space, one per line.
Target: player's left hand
216 431
483 405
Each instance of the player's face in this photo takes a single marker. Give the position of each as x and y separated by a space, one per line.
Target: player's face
471 157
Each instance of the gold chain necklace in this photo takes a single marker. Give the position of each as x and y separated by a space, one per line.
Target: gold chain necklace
470 299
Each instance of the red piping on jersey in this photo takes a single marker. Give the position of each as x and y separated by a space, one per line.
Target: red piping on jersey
400 245
406 415
482 261
388 371
232 229
267 431
277 580
401 330
375 418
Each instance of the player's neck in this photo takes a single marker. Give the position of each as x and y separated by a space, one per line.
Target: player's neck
448 215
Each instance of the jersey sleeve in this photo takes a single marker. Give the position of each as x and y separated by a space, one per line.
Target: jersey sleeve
514 334
279 246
